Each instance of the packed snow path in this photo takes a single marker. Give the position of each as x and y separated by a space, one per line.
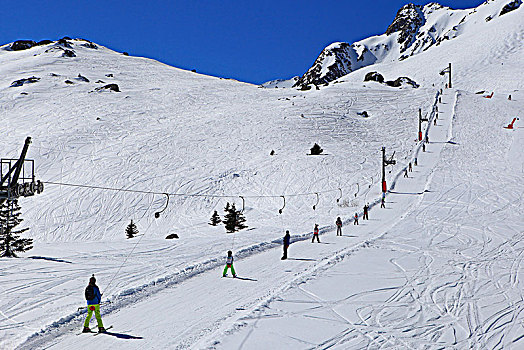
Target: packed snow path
195 312
446 276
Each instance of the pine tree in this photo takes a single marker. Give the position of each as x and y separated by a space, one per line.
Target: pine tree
240 219
131 230
215 219
10 241
233 219
316 149
230 218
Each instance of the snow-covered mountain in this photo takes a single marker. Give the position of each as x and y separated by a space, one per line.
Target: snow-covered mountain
441 264
415 29
280 83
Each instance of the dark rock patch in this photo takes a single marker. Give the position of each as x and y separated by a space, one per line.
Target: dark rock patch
110 75
407 21
172 235
125 53
82 78
22 45
339 54
99 81
111 87
374 76
401 81
68 82
21 82
363 114
69 53
54 74
90 45
65 43
24 93
515 4
44 42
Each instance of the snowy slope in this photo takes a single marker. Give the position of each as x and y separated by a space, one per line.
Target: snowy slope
175 131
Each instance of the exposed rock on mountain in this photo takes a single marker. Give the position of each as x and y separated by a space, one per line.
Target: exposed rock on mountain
21 82
515 4
402 81
408 21
333 62
82 78
374 76
44 42
69 53
110 87
415 29
22 45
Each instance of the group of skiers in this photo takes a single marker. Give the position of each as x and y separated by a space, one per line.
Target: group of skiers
94 297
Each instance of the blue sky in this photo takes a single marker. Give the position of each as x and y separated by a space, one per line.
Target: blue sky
251 41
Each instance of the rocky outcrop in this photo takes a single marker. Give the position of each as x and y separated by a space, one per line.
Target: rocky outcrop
69 53
90 45
515 4
110 87
374 76
24 81
333 62
402 81
407 21
44 42
82 78
65 43
22 45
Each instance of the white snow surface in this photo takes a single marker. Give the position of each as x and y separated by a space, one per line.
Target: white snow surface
440 267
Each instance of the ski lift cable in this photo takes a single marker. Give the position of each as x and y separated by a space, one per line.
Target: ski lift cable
132 250
185 194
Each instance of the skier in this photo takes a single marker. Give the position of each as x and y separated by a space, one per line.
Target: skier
286 245
355 222
423 147
509 97
229 264
405 172
339 226
93 297
415 162
427 138
365 216
315 234
435 121
409 167
383 202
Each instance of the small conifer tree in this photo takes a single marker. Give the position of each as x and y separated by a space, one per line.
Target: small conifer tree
215 219
131 230
10 241
230 217
233 219
239 225
316 149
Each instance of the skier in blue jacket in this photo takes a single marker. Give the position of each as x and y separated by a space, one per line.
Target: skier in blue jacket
93 297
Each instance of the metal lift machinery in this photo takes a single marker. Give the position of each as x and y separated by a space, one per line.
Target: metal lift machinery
17 177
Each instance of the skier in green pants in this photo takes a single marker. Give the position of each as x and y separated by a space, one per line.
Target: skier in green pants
229 264
93 297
